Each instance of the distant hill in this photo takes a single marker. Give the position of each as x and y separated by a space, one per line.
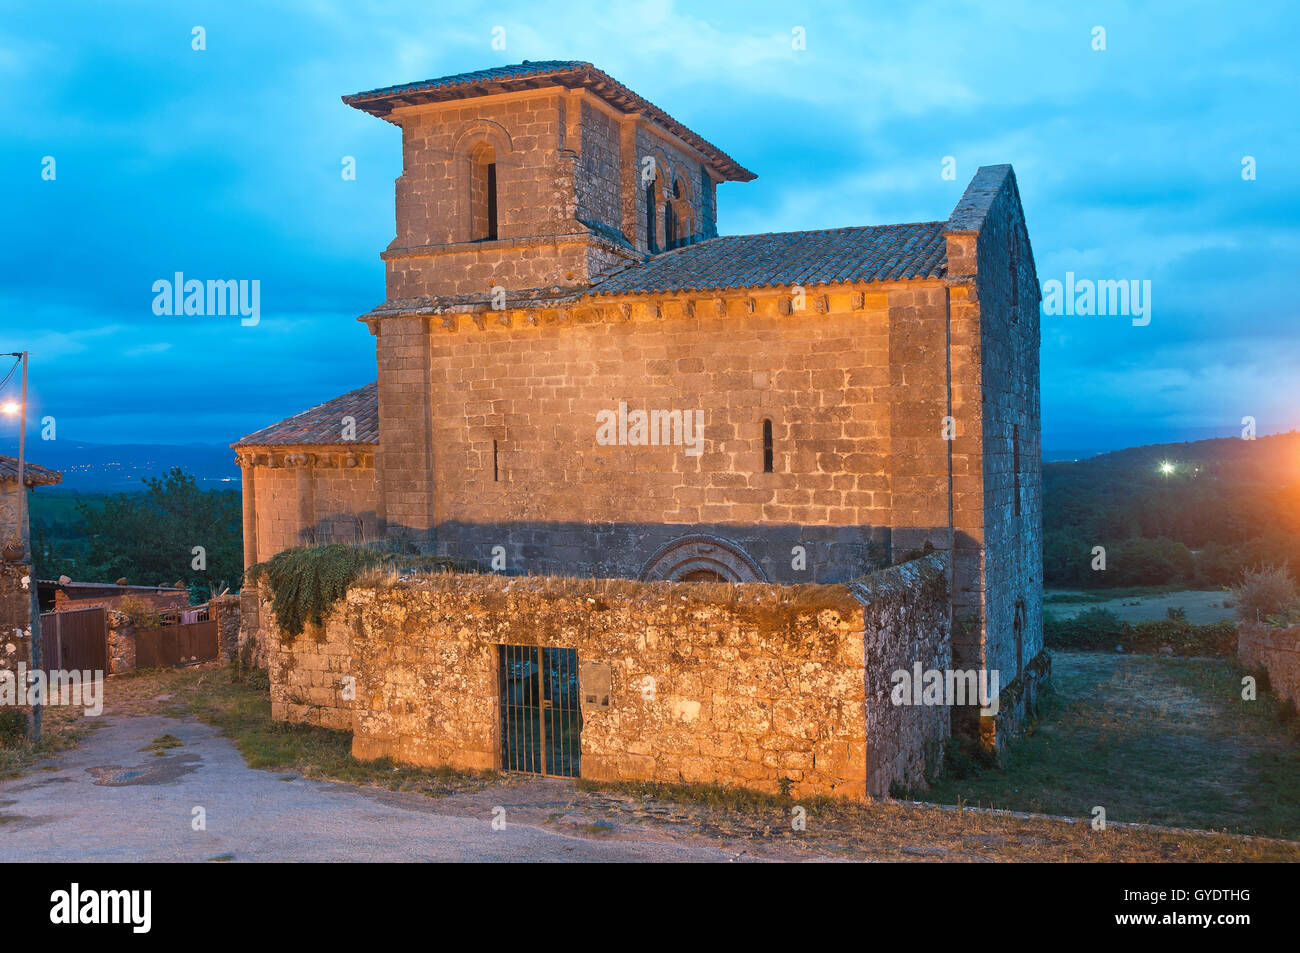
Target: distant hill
1196 512
117 468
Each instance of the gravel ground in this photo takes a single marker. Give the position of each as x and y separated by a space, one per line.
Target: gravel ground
108 800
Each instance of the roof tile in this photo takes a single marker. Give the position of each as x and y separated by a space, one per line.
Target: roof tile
323 424
836 255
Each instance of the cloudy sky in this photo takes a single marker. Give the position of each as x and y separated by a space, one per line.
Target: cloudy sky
225 163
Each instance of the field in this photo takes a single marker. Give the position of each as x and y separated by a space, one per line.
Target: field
1138 605
1151 739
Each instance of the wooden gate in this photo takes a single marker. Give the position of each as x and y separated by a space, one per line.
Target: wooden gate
75 640
170 646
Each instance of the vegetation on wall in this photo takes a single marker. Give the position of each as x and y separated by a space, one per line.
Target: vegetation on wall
307 581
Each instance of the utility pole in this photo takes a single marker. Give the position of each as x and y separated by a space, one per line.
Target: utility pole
24 534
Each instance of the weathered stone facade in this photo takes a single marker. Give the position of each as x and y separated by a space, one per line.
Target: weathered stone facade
121 644
1274 649
754 685
16 602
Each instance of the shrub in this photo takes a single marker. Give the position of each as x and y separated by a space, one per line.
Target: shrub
1093 629
1264 591
13 728
1101 630
142 614
307 581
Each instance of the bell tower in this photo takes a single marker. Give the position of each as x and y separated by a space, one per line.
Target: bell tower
535 178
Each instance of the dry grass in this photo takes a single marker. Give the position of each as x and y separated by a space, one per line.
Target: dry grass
1152 740
62 728
900 830
703 593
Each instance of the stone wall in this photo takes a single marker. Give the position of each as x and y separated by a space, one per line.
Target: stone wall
225 611
508 428
308 672
906 620
996 456
1274 649
299 495
16 600
121 644
755 684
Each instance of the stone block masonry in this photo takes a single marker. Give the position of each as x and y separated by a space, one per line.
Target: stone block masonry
754 684
1276 650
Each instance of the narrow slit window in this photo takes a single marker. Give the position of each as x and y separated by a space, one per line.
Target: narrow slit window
1015 463
767 446
496 469
1015 279
492 201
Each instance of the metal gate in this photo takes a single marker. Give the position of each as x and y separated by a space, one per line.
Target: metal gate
74 640
541 711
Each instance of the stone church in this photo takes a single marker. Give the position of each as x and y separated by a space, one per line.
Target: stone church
578 376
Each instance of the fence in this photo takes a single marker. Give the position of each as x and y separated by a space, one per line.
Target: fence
184 637
76 639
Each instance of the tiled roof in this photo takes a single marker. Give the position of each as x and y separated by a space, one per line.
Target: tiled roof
572 74
492 74
323 424
33 475
865 253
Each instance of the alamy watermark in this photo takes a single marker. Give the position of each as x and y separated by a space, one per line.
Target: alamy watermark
179 295
654 428
948 687
1128 297
75 688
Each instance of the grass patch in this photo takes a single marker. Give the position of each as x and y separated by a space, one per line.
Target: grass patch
1164 741
161 744
62 727
227 699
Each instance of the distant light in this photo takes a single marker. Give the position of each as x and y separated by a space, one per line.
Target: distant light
10 408
1166 468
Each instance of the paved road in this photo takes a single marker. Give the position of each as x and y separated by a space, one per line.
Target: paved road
109 801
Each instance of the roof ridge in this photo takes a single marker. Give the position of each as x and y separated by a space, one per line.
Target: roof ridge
815 231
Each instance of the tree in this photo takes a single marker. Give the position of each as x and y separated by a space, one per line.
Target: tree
150 538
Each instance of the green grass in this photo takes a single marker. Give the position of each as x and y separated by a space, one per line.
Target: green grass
1158 740
161 744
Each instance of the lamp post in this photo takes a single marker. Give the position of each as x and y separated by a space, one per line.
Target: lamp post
35 610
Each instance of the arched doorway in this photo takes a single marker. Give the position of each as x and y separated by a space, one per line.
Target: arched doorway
702 558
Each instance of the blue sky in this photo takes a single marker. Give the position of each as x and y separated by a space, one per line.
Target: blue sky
225 163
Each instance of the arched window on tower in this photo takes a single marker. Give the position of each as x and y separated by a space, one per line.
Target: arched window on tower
674 218
650 213
483 194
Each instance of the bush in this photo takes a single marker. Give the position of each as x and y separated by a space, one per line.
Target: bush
13 728
1100 630
1093 629
142 614
1264 591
